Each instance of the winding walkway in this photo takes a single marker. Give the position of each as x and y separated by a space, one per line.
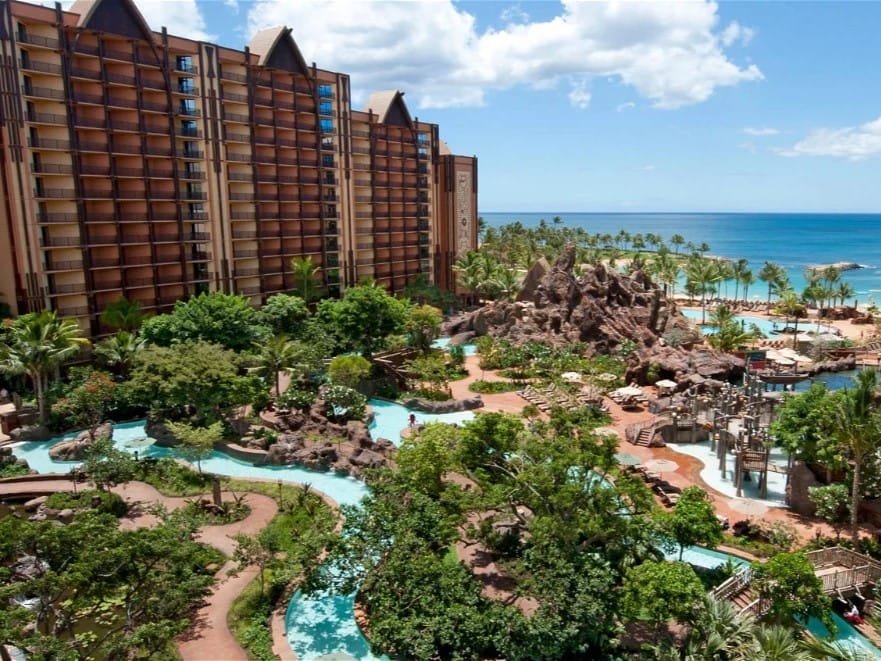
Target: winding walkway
209 638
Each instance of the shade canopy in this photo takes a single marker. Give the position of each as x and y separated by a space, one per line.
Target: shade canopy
627 459
666 384
629 391
571 376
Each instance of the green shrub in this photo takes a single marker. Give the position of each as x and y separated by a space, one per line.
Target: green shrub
172 478
494 387
13 469
294 398
110 503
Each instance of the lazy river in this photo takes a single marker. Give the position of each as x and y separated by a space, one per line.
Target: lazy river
323 625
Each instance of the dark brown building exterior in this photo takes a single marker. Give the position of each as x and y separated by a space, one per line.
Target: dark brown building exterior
142 164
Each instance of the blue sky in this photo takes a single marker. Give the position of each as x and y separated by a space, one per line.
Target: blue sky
738 106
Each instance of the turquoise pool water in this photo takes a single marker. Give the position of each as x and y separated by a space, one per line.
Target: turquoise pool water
765 325
390 418
847 636
444 342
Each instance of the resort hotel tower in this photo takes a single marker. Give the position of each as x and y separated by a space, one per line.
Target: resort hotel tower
140 164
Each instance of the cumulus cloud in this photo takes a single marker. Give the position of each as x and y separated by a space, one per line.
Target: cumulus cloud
183 18
851 142
629 105
762 131
671 53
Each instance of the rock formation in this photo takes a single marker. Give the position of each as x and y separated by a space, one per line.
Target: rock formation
444 406
75 448
608 312
309 439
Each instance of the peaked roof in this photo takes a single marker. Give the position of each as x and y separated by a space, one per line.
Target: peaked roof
113 16
276 48
390 107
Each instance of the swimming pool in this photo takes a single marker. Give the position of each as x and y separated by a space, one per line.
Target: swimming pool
390 418
444 343
765 325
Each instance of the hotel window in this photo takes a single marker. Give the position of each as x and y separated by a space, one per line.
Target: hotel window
22 32
326 142
327 160
325 108
186 86
188 107
326 125
422 138
191 149
325 91
184 63
189 128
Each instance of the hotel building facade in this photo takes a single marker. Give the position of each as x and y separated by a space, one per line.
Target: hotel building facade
140 164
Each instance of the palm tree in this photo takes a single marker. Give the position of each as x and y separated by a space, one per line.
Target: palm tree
277 355
36 345
747 279
677 241
120 350
844 291
306 281
738 269
507 282
857 428
703 274
123 314
789 305
469 268
773 274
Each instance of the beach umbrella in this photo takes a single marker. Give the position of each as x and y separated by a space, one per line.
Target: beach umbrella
571 376
786 362
606 376
666 384
748 506
661 465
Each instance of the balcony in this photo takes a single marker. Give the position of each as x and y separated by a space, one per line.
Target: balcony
191 153
244 254
108 262
50 218
122 56
65 265
37 40
236 77
185 67
49 143
52 168
60 241
153 106
83 72
235 117
73 312
245 273
188 132
244 234
44 92
121 79
153 83
47 118
55 193
232 96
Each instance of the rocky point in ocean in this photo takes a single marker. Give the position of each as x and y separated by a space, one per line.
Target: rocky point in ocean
606 311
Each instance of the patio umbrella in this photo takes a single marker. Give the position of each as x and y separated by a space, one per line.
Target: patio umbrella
666 384
571 376
748 506
784 361
606 431
626 459
606 376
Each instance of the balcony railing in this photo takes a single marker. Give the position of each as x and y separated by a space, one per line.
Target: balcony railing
55 193
64 265
73 312
47 118
44 92
37 40
231 75
49 143
60 241
76 288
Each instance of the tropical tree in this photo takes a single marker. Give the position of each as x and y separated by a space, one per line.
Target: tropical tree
789 305
738 270
120 351
857 429
215 317
659 591
284 314
196 443
844 291
123 314
702 275
790 587
36 345
348 370
307 284
774 275
832 505
677 241
364 317
278 354
747 279
693 520
422 326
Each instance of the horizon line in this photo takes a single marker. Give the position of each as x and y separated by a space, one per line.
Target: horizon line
696 213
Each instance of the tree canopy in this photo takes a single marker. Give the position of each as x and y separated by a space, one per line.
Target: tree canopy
364 317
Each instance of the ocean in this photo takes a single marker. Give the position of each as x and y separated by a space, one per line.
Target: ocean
795 241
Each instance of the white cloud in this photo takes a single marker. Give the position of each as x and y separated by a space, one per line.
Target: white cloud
579 97
762 131
232 4
851 142
735 32
629 105
670 53
648 168
514 14
183 18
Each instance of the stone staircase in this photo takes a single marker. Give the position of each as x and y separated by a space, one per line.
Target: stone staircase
644 438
